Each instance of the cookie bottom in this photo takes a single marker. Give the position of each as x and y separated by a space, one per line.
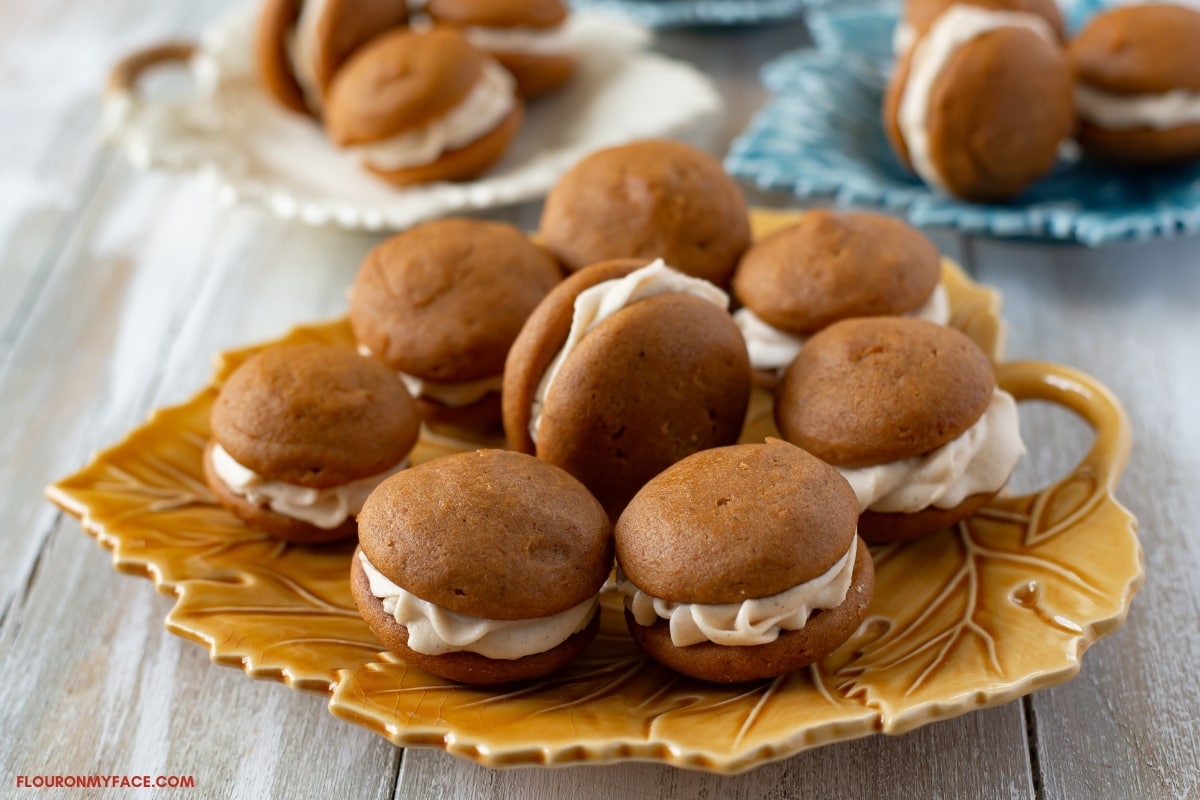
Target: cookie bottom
479 420
1140 147
268 521
824 632
463 667
885 528
462 164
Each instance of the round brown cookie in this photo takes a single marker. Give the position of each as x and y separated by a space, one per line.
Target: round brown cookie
875 390
491 533
344 26
885 528
657 381
402 82
540 339
782 517
1135 51
271 522
536 73
649 199
464 667
314 415
824 633
830 266
997 113
738 523
444 301
920 14
1139 49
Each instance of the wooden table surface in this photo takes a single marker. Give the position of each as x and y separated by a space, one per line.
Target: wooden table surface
118 288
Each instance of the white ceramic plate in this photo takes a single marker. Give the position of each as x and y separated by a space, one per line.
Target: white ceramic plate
234 137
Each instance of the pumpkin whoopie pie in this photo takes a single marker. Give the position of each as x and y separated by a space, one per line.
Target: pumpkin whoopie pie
424 106
527 37
742 563
981 103
919 16
482 567
301 44
648 199
909 412
624 369
1138 90
828 266
301 434
441 303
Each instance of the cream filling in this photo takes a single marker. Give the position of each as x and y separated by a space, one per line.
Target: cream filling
1158 112
532 41
484 108
903 37
956 27
433 630
978 461
750 622
772 349
451 395
324 508
302 51
597 303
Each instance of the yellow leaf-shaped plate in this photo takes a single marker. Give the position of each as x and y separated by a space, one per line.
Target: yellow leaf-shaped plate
976 616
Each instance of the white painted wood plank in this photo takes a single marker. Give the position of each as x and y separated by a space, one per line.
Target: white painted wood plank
939 760
95 685
1128 315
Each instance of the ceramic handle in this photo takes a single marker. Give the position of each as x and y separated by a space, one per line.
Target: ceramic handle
1078 392
126 72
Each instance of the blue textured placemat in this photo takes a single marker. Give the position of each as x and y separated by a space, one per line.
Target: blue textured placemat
820 136
682 13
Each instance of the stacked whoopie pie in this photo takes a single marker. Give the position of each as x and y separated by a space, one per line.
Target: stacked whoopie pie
985 92
440 101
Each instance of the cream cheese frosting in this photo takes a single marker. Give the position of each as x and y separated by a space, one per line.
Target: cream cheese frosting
1127 112
451 395
324 508
956 27
979 461
484 108
772 349
433 630
532 41
302 51
599 302
751 622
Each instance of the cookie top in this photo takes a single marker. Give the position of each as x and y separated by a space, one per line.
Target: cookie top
499 13
995 112
492 534
314 415
736 523
648 199
444 301
343 27
874 390
830 266
401 81
920 14
1139 49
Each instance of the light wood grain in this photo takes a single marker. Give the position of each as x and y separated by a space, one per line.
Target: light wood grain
119 288
1126 314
